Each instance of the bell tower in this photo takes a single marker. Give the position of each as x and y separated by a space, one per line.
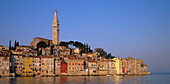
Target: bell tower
55 26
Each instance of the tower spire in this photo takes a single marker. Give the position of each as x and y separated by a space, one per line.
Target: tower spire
55 28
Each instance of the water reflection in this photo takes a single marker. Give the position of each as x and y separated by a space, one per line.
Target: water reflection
141 79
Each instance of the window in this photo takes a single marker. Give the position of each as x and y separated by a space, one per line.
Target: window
28 58
23 57
23 64
42 63
23 61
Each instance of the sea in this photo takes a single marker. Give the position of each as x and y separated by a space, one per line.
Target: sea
154 78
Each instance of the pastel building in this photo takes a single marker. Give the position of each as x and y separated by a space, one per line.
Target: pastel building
4 65
36 62
118 65
27 66
47 65
75 65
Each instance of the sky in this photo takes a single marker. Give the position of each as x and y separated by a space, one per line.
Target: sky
136 28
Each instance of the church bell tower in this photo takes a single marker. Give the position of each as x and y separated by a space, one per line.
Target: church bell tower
55 26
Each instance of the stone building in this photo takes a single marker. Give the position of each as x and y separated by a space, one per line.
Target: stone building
56 30
17 64
111 67
47 65
131 65
39 40
76 65
118 65
57 64
92 67
4 65
36 65
124 65
46 51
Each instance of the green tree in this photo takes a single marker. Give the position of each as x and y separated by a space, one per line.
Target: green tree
10 45
101 51
41 44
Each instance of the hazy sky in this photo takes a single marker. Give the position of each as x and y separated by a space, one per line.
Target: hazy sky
136 28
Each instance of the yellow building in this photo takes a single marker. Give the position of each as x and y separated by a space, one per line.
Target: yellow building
118 65
27 66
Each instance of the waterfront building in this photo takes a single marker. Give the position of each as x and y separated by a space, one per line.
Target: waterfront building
4 64
47 65
17 64
27 66
75 65
144 68
92 67
36 65
64 67
138 63
111 67
124 65
118 65
57 65
131 65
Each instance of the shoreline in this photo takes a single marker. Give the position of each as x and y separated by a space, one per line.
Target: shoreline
52 75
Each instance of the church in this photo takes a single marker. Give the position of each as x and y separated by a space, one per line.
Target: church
43 42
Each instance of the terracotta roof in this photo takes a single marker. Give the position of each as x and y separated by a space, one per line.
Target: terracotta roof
41 38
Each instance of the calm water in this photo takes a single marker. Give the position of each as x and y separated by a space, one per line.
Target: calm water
140 79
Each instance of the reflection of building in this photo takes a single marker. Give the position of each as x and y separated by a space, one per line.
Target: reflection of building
27 66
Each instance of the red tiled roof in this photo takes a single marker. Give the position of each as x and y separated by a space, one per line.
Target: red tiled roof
41 38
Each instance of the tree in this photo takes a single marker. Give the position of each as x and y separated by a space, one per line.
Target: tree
41 44
10 45
15 44
78 44
51 52
90 49
48 43
71 43
101 51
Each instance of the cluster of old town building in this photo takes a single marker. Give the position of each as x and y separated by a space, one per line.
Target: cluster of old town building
24 61
61 60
